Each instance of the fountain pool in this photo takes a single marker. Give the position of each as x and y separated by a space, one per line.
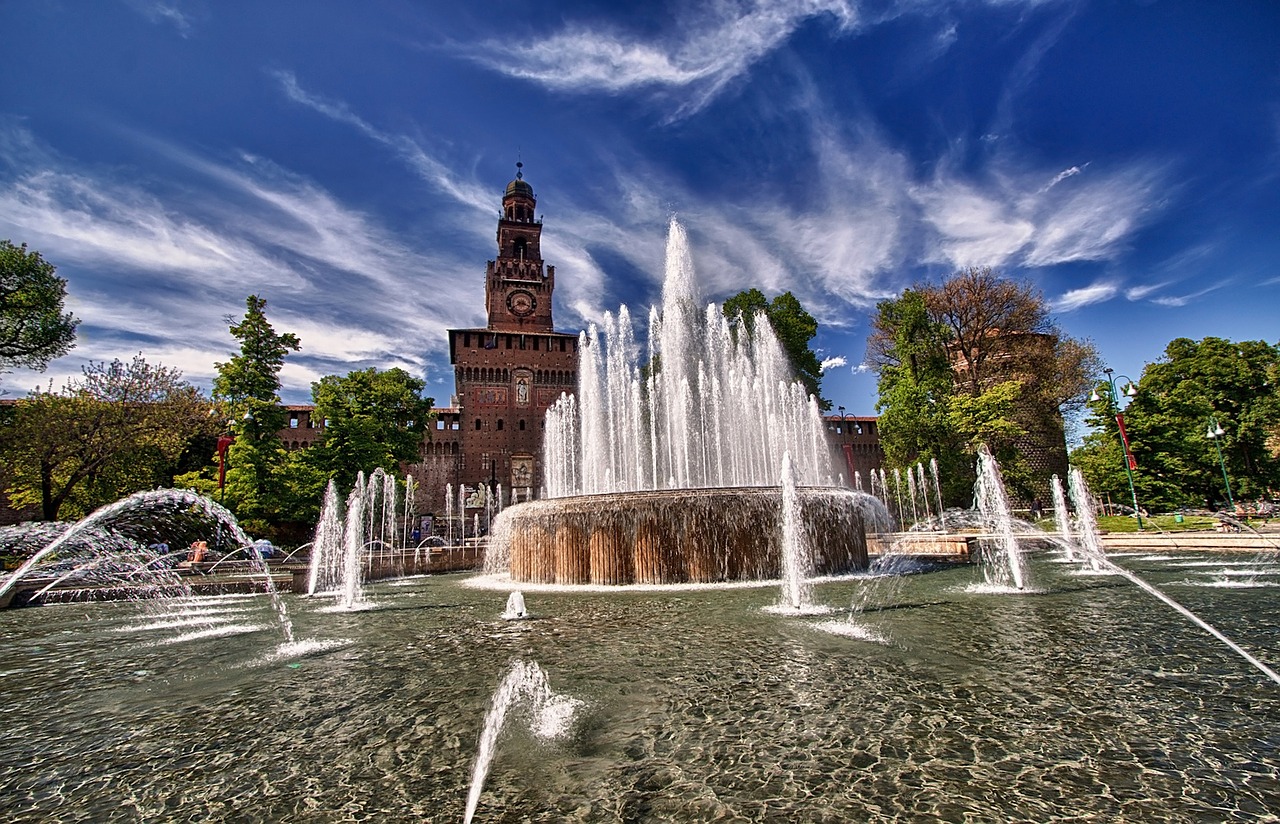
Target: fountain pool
1088 699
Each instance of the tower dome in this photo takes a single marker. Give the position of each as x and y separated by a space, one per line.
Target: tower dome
519 186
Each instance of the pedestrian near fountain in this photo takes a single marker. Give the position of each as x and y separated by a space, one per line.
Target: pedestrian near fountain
1037 509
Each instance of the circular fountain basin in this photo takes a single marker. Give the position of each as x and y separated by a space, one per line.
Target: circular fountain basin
675 536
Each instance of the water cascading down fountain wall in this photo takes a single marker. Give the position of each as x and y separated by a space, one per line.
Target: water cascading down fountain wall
666 468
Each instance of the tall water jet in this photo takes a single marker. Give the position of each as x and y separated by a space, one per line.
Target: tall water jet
1062 517
327 545
448 513
937 490
350 594
1006 566
1086 534
797 560
718 406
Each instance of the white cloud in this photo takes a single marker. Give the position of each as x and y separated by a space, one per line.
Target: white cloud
181 15
706 48
1061 176
1005 219
1140 292
156 268
1085 296
832 363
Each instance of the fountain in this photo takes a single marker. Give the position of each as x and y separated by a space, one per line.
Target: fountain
1073 701
1003 565
525 684
664 469
515 610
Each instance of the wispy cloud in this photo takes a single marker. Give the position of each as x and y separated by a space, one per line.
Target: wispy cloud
832 363
181 15
1085 296
1005 219
1061 176
705 48
1140 292
414 155
192 253
1174 301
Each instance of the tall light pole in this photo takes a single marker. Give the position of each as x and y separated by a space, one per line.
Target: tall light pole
1214 434
1113 406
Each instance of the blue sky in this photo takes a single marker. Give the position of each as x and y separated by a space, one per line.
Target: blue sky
346 162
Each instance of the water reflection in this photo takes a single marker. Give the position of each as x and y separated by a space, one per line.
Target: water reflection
1087 700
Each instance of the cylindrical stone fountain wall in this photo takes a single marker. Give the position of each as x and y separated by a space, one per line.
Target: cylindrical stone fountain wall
676 536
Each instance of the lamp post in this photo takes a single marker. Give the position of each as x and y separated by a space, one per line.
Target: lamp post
1214 434
224 443
1113 406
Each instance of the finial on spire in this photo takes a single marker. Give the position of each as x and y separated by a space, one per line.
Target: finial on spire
519 174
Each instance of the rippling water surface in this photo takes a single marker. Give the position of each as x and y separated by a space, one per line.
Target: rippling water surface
1087 700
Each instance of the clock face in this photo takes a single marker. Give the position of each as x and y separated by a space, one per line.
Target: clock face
521 303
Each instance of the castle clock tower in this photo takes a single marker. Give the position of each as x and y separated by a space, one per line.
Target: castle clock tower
509 372
517 288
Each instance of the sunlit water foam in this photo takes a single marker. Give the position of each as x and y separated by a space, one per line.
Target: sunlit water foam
1087 572
175 623
1227 583
363 606
802 610
300 649
982 588
213 632
849 629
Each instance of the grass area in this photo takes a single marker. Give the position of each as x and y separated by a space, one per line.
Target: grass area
1162 523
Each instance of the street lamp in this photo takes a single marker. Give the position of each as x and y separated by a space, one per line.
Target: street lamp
1113 406
1214 434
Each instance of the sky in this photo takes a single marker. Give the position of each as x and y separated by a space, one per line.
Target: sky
346 162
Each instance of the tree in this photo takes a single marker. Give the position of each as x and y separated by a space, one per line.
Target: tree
33 328
908 350
992 366
118 429
1235 385
245 391
372 419
794 327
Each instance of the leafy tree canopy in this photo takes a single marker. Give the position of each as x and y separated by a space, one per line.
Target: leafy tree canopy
372 419
1235 385
973 360
33 327
794 327
119 428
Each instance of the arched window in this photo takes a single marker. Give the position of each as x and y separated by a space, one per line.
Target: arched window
477 424
499 424
521 248
522 424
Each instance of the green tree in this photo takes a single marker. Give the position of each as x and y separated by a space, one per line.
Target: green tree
245 391
794 327
118 429
33 327
909 354
372 419
1234 384
975 359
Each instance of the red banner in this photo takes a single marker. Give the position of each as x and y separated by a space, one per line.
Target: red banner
1124 439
